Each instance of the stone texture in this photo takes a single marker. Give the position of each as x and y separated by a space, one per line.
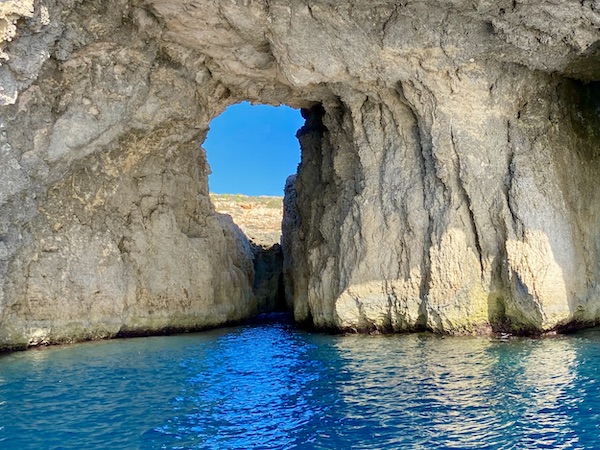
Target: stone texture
449 163
268 285
259 218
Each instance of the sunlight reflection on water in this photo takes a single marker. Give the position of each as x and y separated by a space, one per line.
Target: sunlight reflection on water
464 392
271 386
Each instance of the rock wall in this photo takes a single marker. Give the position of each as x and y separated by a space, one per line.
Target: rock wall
259 218
268 287
106 227
433 216
447 178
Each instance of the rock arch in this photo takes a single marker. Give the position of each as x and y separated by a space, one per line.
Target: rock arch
447 183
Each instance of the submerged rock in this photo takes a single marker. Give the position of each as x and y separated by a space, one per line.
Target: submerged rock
448 175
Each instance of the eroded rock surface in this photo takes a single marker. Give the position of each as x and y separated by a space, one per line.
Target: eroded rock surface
447 182
259 218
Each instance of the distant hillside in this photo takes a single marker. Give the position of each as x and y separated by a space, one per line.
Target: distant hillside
259 217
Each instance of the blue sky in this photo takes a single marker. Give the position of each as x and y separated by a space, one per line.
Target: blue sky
253 149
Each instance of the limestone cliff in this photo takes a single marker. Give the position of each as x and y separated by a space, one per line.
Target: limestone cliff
260 217
449 163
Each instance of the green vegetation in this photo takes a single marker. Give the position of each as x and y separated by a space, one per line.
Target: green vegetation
264 200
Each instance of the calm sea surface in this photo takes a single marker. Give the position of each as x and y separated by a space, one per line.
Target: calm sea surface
271 386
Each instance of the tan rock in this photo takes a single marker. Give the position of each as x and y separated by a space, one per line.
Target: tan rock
448 176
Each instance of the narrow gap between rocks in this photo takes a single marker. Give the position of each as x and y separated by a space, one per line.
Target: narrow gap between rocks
251 151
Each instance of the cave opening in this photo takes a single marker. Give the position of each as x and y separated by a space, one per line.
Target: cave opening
251 151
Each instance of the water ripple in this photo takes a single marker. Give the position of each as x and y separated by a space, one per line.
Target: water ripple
270 386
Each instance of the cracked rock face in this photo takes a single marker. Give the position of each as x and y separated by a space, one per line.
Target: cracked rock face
449 163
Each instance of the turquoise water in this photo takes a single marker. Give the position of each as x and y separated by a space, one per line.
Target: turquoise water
271 386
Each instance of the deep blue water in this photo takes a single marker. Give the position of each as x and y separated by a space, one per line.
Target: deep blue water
271 386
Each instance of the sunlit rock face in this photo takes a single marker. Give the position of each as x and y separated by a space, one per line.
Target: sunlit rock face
449 163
